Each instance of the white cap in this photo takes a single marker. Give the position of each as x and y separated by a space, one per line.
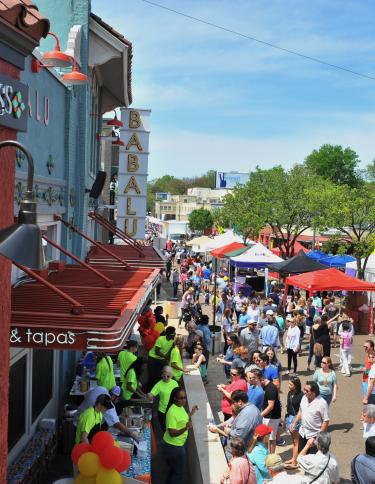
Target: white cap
289 317
269 312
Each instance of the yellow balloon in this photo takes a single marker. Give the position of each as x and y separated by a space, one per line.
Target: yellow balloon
89 464
80 479
159 327
116 443
108 476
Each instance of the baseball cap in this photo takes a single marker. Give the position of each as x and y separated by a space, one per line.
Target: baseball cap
289 317
274 461
251 321
269 312
116 390
199 333
263 430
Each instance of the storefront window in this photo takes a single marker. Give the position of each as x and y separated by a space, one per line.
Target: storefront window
17 402
42 380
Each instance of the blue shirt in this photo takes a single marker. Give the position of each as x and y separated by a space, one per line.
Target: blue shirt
258 458
206 273
243 319
256 396
270 335
206 335
271 373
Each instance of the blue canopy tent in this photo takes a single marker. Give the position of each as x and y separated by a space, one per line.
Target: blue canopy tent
316 255
337 260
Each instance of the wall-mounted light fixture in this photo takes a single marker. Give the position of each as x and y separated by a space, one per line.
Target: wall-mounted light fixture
22 242
115 122
56 58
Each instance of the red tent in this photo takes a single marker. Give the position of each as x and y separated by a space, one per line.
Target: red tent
297 248
328 280
219 253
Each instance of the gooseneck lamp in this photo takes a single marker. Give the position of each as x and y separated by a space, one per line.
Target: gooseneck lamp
22 242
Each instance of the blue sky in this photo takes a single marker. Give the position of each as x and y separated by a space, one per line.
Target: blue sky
227 103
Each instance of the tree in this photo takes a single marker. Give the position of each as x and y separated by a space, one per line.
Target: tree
200 219
336 164
370 171
352 211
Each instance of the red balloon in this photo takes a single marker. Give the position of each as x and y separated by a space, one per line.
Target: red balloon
111 457
148 342
125 463
78 450
101 440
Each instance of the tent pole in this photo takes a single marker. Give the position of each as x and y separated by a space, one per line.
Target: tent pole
235 280
371 317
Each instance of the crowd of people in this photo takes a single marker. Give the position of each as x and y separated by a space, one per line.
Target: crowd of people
256 416
255 333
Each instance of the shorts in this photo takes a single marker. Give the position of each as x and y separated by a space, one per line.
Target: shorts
274 424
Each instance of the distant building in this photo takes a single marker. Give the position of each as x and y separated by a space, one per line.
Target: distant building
179 207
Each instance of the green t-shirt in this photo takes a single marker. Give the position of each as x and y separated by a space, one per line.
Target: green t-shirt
164 345
325 382
164 390
87 421
176 418
131 378
176 358
125 359
105 374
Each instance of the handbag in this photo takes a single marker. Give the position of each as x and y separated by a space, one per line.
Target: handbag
318 348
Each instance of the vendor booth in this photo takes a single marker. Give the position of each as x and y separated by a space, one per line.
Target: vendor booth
337 260
351 268
298 264
221 251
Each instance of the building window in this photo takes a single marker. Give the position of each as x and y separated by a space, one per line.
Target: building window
17 402
42 380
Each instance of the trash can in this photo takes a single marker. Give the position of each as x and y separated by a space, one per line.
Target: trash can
216 339
68 429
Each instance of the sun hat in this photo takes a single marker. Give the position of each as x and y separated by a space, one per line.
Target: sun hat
269 312
274 461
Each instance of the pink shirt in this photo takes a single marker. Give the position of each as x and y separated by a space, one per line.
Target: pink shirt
241 471
346 340
226 402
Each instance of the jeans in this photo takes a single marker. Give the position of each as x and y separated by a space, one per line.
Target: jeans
292 355
175 455
175 289
327 398
346 357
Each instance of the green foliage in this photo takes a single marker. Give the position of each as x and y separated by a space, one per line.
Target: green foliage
336 164
200 219
370 171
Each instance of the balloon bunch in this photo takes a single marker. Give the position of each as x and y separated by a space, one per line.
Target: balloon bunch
101 461
149 331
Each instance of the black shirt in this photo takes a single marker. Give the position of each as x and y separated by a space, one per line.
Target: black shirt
294 401
272 393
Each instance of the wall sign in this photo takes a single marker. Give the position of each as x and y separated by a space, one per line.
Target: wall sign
14 98
132 179
43 339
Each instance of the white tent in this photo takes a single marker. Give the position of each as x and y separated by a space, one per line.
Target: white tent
221 240
258 256
198 244
369 271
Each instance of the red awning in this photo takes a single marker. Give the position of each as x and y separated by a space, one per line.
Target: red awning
297 248
328 280
41 318
150 256
219 253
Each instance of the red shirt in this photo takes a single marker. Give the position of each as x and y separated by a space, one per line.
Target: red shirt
226 402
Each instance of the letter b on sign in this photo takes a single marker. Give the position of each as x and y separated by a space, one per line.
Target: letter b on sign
133 163
134 120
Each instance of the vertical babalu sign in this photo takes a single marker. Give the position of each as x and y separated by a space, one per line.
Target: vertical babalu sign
133 164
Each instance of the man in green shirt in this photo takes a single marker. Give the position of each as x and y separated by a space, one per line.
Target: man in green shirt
163 388
91 419
126 357
158 356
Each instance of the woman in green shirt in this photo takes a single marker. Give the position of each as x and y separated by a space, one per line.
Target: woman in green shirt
178 423
131 384
90 421
159 354
126 357
163 388
175 359
104 371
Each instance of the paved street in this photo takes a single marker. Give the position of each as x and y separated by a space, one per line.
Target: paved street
345 424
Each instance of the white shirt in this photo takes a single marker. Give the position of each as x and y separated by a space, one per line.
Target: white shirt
254 314
110 416
239 301
293 336
313 464
313 415
284 478
371 374
368 430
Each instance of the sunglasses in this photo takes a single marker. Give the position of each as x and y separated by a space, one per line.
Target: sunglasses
233 374
324 362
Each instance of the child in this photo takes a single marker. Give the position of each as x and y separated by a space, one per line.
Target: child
199 361
207 297
346 340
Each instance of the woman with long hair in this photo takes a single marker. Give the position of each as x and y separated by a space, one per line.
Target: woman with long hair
233 343
325 377
238 382
292 343
294 398
177 423
226 326
274 361
131 385
175 359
